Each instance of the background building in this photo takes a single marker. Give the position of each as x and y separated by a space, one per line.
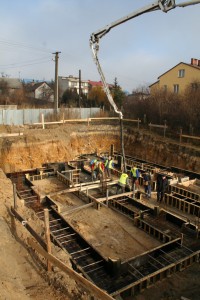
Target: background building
39 90
71 83
178 78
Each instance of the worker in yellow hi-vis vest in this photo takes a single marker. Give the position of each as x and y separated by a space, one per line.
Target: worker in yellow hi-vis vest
122 183
109 166
135 174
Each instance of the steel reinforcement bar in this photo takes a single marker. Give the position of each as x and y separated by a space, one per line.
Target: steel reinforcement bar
156 265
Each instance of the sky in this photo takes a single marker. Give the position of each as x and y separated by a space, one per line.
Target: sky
136 52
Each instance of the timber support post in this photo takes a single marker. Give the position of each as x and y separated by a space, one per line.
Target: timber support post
47 235
15 196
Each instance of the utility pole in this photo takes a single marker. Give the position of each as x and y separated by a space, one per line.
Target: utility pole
79 96
56 82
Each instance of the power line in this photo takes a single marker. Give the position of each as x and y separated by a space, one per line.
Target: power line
24 62
23 45
26 65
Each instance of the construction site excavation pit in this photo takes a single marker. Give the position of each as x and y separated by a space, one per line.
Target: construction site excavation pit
122 243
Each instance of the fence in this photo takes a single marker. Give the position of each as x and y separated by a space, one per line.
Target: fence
30 116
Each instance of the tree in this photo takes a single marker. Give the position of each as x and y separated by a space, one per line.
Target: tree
191 102
118 94
4 92
18 97
70 98
97 97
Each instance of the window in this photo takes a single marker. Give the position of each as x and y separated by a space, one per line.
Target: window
195 86
181 73
165 88
73 84
176 88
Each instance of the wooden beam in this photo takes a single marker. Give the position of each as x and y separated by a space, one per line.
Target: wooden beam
191 137
47 235
10 134
15 196
158 126
77 209
83 187
89 286
129 120
114 197
29 228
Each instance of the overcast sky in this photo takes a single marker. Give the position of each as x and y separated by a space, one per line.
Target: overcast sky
136 52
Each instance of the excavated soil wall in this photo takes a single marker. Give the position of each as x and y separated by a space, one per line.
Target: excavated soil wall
64 142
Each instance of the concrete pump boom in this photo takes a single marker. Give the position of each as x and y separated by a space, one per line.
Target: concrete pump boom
163 5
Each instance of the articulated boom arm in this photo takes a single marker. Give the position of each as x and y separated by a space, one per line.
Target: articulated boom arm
164 5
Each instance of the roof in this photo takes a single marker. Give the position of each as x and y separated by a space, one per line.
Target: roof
31 87
190 65
97 83
154 83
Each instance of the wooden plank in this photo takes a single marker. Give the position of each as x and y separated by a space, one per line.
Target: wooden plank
10 134
130 120
114 196
77 208
191 137
105 118
29 228
83 187
15 196
89 286
47 235
158 126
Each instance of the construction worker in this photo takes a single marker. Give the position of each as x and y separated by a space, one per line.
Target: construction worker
135 174
147 184
101 169
161 186
93 166
123 181
108 166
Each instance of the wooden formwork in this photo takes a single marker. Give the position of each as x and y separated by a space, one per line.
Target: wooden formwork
185 205
69 177
184 192
40 176
174 262
161 274
120 206
152 230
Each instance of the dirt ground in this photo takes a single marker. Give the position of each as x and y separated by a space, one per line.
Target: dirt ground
98 227
22 276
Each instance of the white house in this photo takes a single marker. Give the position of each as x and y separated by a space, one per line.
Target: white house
40 90
72 83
